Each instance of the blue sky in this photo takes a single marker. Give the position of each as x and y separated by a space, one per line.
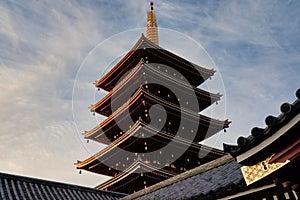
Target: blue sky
254 44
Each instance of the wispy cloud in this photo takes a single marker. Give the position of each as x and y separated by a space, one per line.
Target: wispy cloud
42 44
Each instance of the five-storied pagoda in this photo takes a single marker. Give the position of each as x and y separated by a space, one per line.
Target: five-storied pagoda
153 126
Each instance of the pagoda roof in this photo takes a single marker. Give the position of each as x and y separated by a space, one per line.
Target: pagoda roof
138 175
104 161
152 53
280 135
141 94
143 72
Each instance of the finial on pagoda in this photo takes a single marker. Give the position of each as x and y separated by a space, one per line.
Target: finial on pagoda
152 28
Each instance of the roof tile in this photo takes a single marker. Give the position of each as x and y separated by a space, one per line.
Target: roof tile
13 187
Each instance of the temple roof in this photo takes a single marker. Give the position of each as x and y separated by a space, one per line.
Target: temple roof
280 133
205 123
212 180
219 179
151 53
19 187
153 73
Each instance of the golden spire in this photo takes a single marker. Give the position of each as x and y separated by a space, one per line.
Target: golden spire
152 29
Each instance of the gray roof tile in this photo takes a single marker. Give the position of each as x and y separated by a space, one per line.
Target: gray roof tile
13 187
216 182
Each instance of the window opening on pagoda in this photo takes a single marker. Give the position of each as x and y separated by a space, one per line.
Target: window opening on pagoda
183 128
169 123
192 131
158 91
127 158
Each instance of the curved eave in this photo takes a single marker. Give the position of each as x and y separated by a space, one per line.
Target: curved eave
107 82
94 161
108 120
271 139
138 45
204 120
201 94
252 155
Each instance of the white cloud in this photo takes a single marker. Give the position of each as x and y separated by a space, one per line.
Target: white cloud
254 44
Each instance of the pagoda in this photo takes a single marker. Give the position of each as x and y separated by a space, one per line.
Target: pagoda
153 126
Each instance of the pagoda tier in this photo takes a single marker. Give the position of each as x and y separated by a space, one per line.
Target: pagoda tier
139 175
151 53
139 105
139 142
154 73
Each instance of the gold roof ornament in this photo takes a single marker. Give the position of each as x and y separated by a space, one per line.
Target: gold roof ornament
152 28
260 170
